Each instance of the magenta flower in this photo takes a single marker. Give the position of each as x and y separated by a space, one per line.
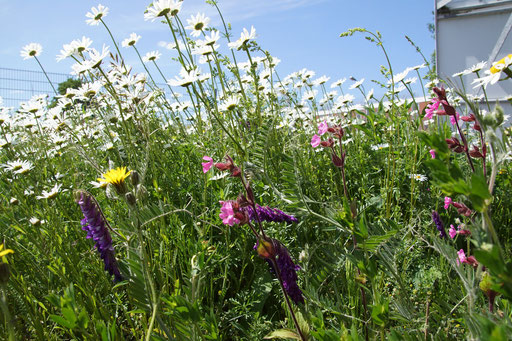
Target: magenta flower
462 257
227 214
207 165
432 107
447 202
432 153
322 128
454 119
315 141
452 232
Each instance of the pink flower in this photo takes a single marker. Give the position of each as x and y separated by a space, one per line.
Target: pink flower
207 165
447 202
322 128
432 107
452 232
462 257
315 141
432 153
227 214
454 119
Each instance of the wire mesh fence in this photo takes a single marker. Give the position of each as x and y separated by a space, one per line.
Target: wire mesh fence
18 85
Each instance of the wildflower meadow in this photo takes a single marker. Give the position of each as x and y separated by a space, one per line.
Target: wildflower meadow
235 203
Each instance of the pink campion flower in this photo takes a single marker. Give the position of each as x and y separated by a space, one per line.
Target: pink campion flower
452 232
432 153
322 128
432 107
227 214
207 165
315 141
462 257
454 119
447 202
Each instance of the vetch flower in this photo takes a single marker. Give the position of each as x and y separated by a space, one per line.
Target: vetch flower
116 178
268 214
447 202
96 14
96 228
432 153
287 269
315 141
207 165
439 224
31 50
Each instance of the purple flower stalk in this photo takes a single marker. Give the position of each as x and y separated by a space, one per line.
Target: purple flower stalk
268 214
95 226
439 224
287 268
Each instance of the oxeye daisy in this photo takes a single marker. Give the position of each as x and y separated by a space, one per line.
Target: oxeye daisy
116 178
245 36
151 56
418 177
51 194
18 166
197 24
162 8
131 40
31 50
493 75
96 14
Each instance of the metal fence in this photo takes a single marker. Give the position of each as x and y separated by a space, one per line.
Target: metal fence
20 85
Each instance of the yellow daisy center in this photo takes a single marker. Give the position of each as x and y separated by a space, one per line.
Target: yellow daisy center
499 62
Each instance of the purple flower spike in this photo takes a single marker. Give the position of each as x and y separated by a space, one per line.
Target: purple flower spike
95 226
287 268
268 214
288 272
439 224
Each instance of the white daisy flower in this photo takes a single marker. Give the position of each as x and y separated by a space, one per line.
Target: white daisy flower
197 24
31 50
96 14
131 40
245 36
151 56
162 8
51 194
418 177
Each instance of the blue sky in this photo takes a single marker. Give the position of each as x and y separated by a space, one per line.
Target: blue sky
302 33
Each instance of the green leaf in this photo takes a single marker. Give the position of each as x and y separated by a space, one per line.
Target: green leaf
282 334
62 321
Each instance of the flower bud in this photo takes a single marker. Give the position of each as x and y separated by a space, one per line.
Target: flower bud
4 273
130 199
265 248
134 176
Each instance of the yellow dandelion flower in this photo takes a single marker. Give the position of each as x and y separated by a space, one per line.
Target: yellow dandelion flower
116 178
4 252
500 64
